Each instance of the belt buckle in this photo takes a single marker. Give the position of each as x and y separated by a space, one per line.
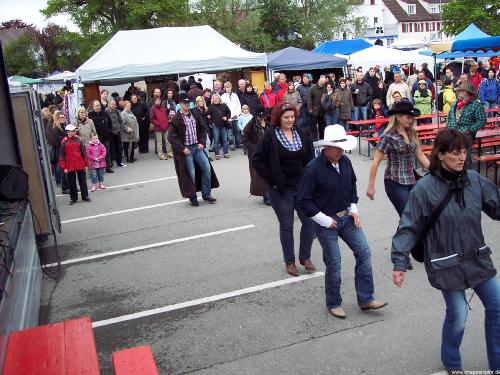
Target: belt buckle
341 213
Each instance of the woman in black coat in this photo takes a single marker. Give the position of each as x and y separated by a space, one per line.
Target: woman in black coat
218 113
200 112
250 98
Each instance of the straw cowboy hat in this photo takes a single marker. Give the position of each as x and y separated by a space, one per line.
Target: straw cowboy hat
335 136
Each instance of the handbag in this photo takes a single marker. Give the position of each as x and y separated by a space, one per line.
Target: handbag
418 251
419 173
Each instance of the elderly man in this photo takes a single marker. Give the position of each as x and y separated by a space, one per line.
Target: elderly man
397 85
327 194
217 88
242 84
103 125
192 166
466 115
315 109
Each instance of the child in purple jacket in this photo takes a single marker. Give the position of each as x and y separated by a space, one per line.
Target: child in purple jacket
96 157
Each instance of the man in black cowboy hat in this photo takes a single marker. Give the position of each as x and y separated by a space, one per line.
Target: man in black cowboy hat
466 114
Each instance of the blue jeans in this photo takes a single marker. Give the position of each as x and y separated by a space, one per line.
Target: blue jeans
284 206
398 194
356 240
201 159
236 133
490 105
332 118
220 132
454 324
304 118
361 113
97 175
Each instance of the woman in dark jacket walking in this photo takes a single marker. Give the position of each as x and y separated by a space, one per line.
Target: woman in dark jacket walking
200 111
250 98
255 130
279 159
456 256
218 113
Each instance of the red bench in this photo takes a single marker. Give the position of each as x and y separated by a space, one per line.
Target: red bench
65 348
135 361
490 161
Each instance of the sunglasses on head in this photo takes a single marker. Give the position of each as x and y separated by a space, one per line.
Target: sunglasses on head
287 106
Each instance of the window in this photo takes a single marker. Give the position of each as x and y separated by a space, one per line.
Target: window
433 8
406 27
430 26
412 9
375 20
438 26
372 2
419 27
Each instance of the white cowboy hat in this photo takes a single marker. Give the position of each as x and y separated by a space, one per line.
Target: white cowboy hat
335 136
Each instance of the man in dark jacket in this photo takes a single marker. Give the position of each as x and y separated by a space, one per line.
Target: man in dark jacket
194 92
371 79
315 109
103 125
115 139
427 72
303 90
362 95
141 112
187 137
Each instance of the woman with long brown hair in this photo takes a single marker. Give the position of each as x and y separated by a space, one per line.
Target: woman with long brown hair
58 133
279 158
401 145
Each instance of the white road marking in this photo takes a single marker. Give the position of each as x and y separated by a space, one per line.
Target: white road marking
151 246
131 184
200 301
124 211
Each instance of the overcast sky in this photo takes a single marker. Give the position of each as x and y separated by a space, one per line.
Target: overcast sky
29 12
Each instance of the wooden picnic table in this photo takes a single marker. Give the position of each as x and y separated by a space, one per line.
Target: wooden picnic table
485 133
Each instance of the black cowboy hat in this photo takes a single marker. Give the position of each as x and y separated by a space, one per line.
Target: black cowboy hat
403 108
260 110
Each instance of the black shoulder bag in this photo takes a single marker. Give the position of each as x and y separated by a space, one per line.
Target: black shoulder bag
417 252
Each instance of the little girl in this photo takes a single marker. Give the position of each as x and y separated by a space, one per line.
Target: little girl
244 118
96 156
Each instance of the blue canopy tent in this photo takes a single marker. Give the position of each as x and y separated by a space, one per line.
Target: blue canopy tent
292 58
343 47
489 45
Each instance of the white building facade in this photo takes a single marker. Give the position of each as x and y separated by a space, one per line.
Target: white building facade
402 21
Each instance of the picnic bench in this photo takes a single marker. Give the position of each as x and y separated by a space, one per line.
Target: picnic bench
135 361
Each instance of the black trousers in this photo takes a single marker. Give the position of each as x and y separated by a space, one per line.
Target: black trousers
128 147
115 141
82 181
107 144
143 137
316 127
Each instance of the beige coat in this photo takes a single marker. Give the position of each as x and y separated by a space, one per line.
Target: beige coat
85 130
129 122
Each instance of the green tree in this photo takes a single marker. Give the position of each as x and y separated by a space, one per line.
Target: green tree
24 57
107 17
458 14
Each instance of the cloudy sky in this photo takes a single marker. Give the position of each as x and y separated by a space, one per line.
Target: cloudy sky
28 11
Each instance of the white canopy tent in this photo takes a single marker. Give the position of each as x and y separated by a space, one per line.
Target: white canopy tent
136 54
61 77
382 56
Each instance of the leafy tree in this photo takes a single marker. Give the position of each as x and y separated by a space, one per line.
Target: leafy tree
14 24
24 57
281 20
458 14
106 17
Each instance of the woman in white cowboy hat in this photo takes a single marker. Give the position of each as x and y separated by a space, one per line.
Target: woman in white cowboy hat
327 194
401 145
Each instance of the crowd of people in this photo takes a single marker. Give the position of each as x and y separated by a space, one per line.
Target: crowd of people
295 134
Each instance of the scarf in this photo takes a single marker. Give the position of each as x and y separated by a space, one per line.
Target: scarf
461 103
424 93
456 182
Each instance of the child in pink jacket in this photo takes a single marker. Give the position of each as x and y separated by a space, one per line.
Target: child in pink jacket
96 157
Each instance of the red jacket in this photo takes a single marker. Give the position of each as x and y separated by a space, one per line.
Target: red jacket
72 155
159 118
476 79
281 89
271 101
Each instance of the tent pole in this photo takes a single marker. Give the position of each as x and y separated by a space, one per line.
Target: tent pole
436 97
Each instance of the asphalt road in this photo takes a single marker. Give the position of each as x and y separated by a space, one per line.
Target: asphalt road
198 254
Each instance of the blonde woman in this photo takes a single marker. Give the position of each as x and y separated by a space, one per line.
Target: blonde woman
130 131
58 133
84 126
401 145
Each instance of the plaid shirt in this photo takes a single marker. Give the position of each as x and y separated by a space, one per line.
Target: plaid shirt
470 120
400 156
296 145
190 122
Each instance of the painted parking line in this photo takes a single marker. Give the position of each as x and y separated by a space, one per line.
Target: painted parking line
133 183
124 211
204 300
152 246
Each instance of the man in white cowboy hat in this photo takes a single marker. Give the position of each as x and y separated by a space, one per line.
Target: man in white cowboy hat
327 194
